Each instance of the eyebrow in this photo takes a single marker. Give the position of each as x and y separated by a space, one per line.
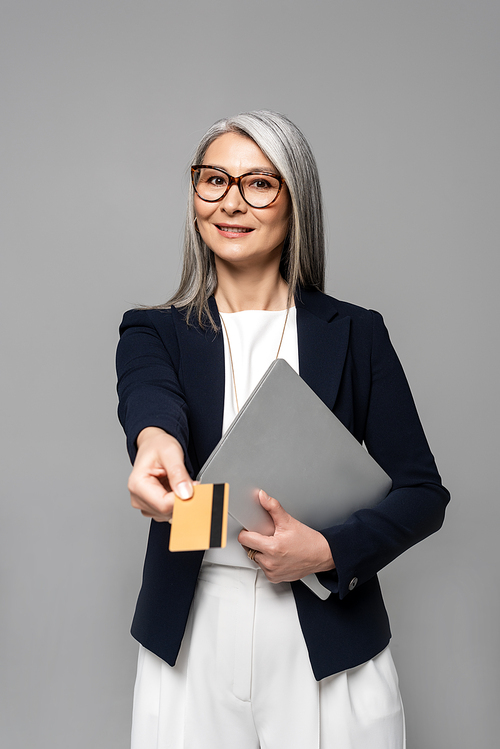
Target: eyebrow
253 169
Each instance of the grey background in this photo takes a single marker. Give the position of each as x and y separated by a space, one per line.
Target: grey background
102 103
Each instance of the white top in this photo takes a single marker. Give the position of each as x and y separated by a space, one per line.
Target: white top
254 336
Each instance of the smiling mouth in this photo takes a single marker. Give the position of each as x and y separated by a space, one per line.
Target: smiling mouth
234 229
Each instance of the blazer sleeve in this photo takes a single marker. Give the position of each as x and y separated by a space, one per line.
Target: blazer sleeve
147 363
414 508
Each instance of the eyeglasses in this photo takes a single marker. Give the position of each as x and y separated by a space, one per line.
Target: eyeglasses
258 189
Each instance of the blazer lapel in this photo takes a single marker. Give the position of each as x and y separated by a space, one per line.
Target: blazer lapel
203 379
323 338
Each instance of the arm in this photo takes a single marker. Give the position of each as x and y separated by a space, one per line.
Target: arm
153 413
414 508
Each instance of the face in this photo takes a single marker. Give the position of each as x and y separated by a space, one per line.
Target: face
234 231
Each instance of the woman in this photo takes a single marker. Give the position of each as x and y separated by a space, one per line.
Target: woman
235 650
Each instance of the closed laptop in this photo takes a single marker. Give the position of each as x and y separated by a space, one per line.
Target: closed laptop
286 441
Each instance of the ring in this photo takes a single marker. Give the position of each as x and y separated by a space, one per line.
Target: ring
251 554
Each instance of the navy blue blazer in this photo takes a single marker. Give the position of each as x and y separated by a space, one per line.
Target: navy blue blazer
171 375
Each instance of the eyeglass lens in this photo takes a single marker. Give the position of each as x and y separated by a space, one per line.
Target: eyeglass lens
259 190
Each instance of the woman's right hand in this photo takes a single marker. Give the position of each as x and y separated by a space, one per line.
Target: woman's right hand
159 473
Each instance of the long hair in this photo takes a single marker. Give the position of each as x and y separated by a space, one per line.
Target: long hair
303 257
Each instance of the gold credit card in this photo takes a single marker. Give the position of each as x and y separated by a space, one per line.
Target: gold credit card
200 522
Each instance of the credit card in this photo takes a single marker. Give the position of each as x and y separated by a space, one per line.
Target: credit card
200 522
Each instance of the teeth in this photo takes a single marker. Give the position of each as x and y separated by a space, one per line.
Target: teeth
237 229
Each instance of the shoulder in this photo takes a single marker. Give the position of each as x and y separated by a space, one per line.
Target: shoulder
148 331
367 335
159 319
329 308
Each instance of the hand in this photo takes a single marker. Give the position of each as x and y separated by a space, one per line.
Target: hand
159 473
293 551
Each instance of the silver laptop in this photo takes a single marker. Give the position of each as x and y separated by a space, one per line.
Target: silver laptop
286 441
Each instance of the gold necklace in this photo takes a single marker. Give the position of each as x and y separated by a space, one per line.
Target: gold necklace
231 353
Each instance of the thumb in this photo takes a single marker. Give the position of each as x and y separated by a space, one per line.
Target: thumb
180 481
276 511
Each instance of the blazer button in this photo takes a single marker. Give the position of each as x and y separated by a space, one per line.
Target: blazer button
353 583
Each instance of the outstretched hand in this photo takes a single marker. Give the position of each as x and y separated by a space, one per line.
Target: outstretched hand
158 474
293 551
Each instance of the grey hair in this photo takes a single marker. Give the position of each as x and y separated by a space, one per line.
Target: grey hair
303 258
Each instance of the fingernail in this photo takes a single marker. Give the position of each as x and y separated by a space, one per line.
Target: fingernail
184 490
265 495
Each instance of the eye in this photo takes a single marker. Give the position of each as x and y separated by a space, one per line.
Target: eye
216 180
211 178
260 183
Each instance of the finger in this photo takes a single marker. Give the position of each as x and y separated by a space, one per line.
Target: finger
273 507
148 493
158 518
178 477
253 540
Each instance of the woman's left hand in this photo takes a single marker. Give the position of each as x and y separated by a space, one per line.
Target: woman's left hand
293 551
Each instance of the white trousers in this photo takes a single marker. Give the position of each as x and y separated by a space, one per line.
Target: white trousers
243 680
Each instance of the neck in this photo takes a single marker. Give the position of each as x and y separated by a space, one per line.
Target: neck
247 290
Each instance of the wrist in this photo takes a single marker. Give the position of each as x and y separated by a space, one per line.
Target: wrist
150 433
325 558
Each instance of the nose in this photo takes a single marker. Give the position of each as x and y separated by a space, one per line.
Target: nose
233 201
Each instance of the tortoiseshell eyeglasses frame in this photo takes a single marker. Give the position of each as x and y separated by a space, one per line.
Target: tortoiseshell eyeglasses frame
236 181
